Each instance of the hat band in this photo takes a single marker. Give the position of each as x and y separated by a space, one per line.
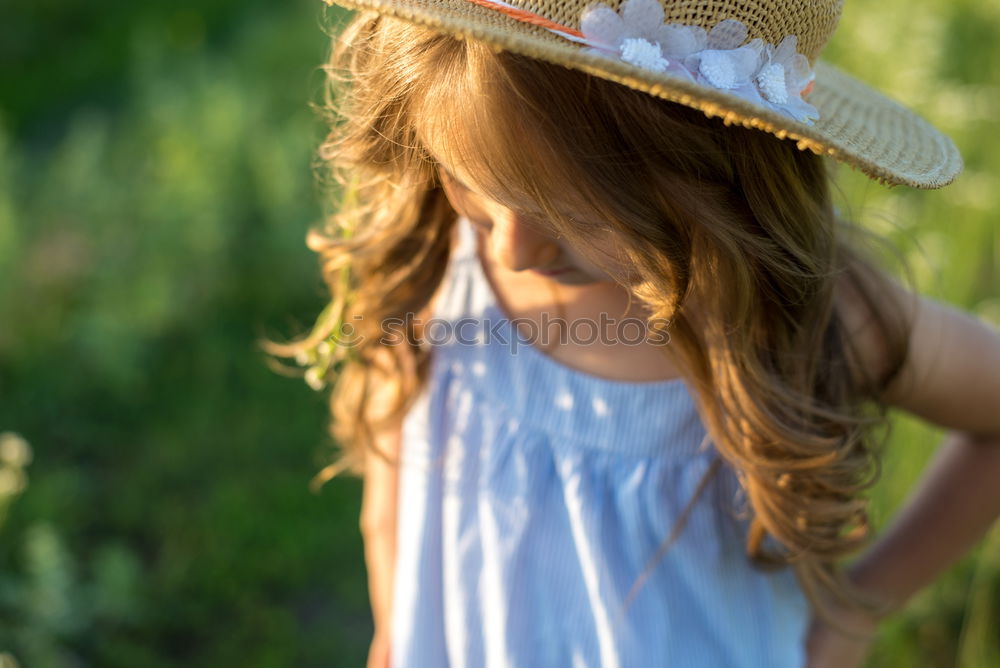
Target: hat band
775 77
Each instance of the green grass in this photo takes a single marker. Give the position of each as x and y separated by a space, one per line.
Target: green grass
143 249
155 191
941 61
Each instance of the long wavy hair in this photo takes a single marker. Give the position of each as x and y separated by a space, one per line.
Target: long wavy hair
730 234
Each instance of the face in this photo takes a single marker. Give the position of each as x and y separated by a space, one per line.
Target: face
520 241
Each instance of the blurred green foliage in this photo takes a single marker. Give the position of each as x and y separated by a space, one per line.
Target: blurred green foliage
154 201
942 60
155 191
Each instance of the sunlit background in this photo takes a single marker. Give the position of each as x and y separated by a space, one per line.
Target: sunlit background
155 192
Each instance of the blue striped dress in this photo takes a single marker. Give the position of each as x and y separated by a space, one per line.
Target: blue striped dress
532 496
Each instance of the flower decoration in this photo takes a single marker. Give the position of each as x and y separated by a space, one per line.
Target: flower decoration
784 77
771 76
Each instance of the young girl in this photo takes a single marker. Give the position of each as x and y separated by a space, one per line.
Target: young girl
611 364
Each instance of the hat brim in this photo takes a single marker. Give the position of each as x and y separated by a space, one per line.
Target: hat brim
857 125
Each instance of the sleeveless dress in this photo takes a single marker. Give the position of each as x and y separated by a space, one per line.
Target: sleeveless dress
532 496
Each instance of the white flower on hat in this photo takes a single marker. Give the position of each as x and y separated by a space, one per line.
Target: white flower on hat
783 74
643 53
634 35
723 63
761 73
639 19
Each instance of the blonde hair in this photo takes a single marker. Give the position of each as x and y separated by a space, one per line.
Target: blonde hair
696 206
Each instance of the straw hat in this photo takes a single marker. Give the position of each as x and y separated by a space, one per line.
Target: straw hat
750 62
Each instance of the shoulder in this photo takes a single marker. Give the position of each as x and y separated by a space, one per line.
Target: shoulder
951 370
862 314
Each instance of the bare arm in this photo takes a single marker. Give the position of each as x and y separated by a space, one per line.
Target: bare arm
951 379
378 529
953 505
378 509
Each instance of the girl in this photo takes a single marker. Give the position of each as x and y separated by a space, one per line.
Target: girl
611 364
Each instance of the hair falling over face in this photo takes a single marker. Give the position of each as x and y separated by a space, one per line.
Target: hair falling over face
694 205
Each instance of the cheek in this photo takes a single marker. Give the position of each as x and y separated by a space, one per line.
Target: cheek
465 204
601 256
607 262
590 265
455 198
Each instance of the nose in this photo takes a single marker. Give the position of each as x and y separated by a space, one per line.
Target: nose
517 246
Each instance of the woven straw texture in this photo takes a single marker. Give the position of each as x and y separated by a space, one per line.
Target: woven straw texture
858 125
